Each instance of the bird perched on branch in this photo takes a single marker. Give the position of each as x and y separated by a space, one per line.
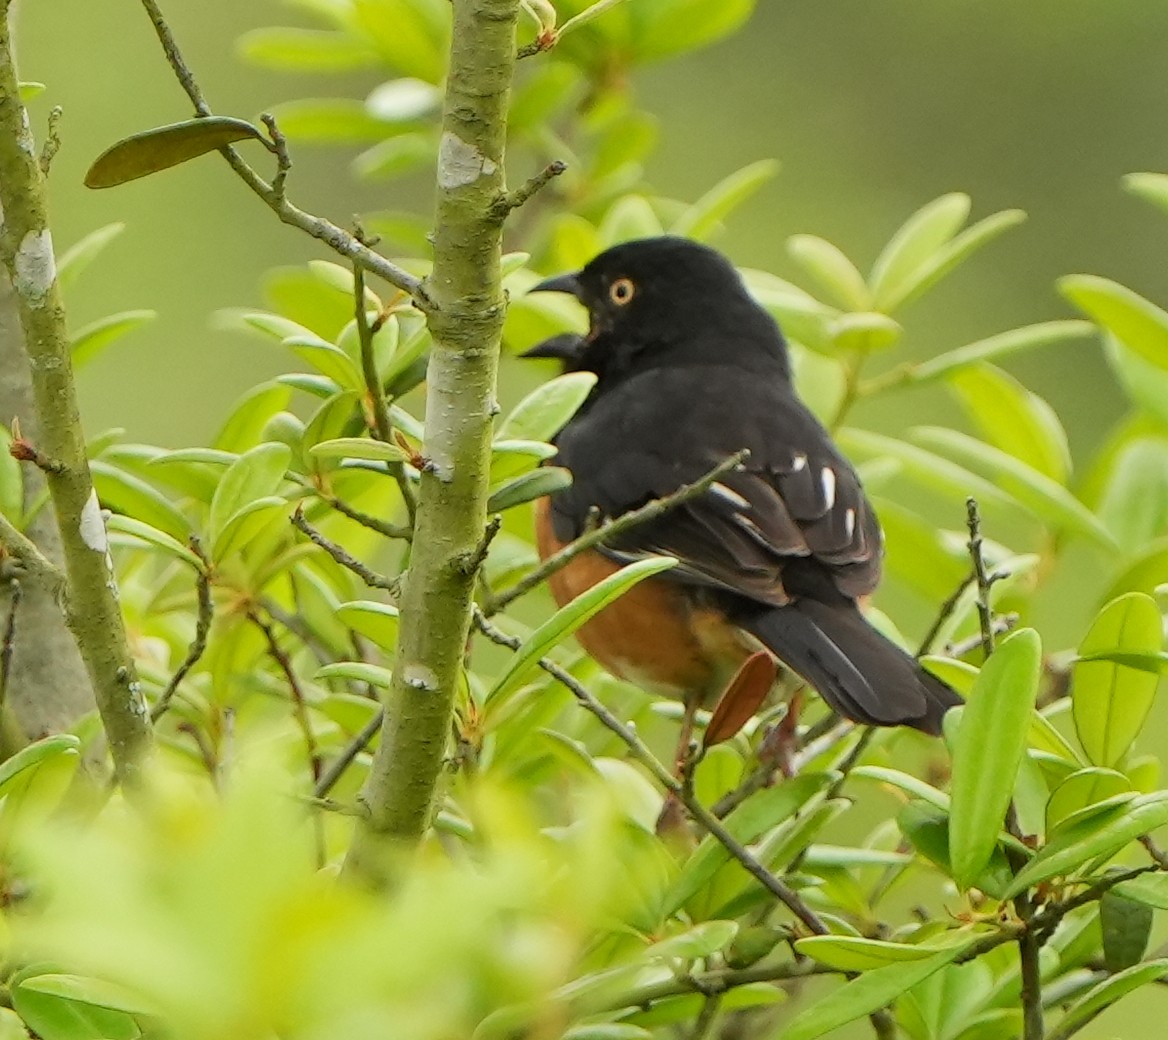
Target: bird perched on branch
775 554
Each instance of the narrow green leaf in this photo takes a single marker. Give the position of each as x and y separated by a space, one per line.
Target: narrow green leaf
32 756
543 412
57 1018
911 785
1150 889
246 523
1151 187
207 456
329 360
667 27
1100 835
917 239
630 217
1135 321
250 416
1111 700
831 268
988 749
948 257
86 343
863 995
305 50
699 941
864 332
86 990
1126 926
1013 419
357 448
81 254
375 621
356 671
117 523
701 219
607 1031
403 100
512 457
1105 994
927 830
526 488
1048 501
396 156
123 492
1134 500
1081 789
329 121
854 953
154 150
254 475
1003 345
570 617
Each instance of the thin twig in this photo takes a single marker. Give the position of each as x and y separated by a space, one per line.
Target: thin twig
52 140
346 560
336 769
299 703
614 528
8 640
325 231
1003 623
32 562
985 581
944 614
512 200
386 530
665 777
202 628
473 561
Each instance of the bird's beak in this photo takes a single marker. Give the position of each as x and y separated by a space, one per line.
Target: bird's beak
566 283
567 346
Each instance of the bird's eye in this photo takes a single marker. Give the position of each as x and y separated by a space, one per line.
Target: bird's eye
621 291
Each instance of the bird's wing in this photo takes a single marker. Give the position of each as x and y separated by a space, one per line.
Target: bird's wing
792 521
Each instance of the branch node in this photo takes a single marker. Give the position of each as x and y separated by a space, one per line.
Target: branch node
52 140
512 200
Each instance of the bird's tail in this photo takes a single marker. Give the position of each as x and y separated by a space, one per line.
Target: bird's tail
856 670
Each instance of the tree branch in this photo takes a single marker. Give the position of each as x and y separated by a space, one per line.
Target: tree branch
94 613
198 645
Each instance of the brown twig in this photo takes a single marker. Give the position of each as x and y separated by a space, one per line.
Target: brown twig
8 639
705 819
346 560
943 615
386 530
512 200
614 528
202 629
336 769
985 580
272 194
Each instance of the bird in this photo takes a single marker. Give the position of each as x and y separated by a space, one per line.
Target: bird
776 556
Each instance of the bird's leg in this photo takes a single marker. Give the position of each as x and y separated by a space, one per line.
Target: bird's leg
778 747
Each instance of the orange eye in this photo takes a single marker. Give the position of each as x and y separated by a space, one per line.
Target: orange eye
621 291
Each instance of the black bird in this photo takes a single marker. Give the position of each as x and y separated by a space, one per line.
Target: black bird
690 370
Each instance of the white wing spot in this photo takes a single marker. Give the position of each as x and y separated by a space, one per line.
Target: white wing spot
798 462
849 523
827 479
729 495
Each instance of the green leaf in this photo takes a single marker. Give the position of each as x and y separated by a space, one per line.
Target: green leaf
329 121
403 100
81 254
1013 419
1150 889
545 411
375 621
853 953
85 990
571 616
1136 322
864 332
1134 501
396 156
510 458
35 754
1100 835
1003 345
57 1018
1081 789
1047 501
911 785
329 360
917 239
546 480
832 269
1111 701
607 1031
667 27
629 218
1105 994
1151 187
863 995
988 749
29 89
357 671
305 50
163 147
136 529
701 219
86 343
254 475
410 34
246 523
759 813
1126 926
357 448
699 941
123 492
927 830
250 416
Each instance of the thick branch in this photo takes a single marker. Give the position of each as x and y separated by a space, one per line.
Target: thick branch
465 314
93 610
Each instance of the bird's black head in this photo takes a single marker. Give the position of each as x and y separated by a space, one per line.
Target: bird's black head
655 297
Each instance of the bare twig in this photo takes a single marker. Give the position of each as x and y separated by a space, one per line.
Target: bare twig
272 194
943 615
705 819
374 523
52 140
31 561
471 562
328 779
984 579
1001 625
8 639
202 628
299 703
623 523
346 560
512 200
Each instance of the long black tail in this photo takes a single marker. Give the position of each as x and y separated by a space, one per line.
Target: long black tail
856 670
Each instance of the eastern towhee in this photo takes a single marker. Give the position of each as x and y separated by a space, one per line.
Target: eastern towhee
775 554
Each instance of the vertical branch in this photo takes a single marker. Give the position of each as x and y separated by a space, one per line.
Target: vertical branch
26 248
465 308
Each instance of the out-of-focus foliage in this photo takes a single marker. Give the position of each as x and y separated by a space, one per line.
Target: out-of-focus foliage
545 904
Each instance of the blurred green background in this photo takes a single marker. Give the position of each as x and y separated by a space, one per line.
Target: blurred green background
873 109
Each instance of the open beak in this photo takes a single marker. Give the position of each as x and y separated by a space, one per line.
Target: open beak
566 283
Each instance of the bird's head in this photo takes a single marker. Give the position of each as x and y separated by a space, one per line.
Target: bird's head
657 296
